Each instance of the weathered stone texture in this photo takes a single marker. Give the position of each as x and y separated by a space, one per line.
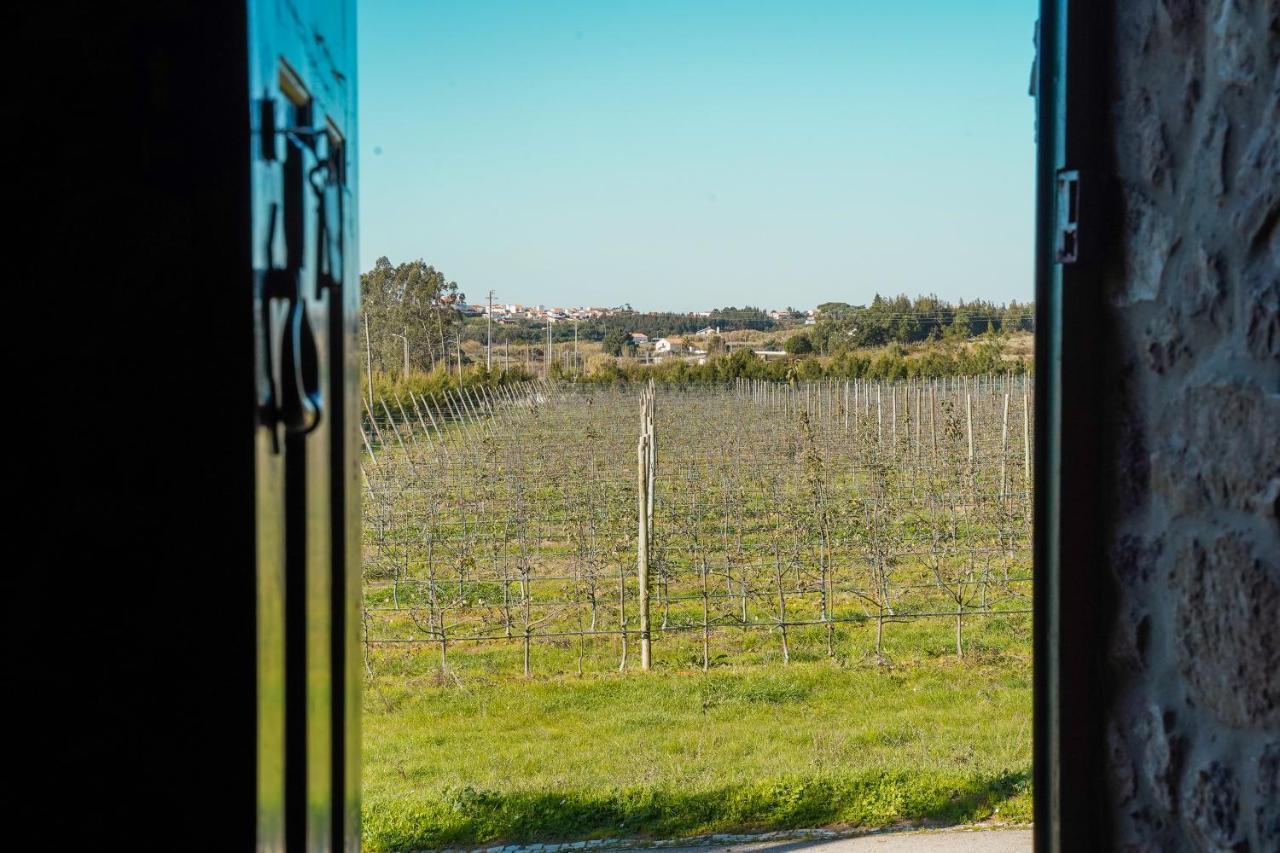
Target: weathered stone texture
1258 213
1150 240
1212 810
1194 302
1262 334
1162 759
1268 798
1228 612
1219 449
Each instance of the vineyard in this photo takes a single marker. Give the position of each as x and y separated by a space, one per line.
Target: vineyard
546 529
828 582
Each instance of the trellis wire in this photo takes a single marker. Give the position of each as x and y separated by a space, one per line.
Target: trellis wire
513 514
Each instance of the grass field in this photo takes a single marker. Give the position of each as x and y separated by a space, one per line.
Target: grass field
680 752
813 567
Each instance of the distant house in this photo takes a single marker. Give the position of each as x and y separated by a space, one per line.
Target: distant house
709 330
667 345
638 338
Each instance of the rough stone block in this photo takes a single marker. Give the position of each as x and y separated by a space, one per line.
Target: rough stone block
1162 756
1268 798
1211 811
1166 345
1232 43
1119 766
1150 240
1229 640
1133 559
1258 214
1221 450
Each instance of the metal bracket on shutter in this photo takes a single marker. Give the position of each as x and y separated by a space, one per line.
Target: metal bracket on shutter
267 129
1068 233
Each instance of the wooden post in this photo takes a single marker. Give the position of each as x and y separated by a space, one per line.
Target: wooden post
1026 436
652 465
425 432
879 415
846 407
706 623
642 546
404 419
1004 445
444 448
919 419
968 418
893 422
373 422
782 604
933 419
369 448
399 440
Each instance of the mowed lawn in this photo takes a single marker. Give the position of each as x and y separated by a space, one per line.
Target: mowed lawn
679 752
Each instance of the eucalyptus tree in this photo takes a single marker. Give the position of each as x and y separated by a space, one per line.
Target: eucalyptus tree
410 307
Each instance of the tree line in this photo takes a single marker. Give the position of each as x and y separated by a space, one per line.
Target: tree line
412 323
986 356
623 322
900 320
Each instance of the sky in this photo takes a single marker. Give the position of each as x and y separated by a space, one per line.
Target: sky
688 155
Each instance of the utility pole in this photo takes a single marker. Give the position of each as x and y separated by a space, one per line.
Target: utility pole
488 347
546 360
459 343
575 343
406 352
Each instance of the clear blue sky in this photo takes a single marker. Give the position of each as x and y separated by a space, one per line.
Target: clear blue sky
691 154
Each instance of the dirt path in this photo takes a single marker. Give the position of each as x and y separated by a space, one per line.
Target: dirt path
924 841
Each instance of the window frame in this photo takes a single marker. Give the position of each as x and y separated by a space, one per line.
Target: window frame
1069 612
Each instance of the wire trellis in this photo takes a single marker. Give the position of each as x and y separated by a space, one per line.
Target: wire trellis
798 510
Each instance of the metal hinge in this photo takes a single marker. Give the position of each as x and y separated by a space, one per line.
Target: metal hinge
1068 234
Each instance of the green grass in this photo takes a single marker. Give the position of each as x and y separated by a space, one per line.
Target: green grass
473 753
676 752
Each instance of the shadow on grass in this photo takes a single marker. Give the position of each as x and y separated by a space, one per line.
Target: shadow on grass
467 816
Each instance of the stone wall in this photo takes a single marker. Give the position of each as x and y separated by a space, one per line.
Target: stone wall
1193 305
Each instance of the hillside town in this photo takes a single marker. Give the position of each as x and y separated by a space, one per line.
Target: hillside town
513 312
